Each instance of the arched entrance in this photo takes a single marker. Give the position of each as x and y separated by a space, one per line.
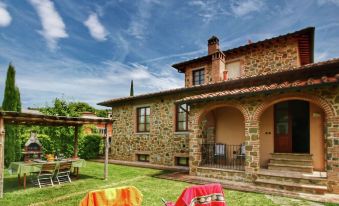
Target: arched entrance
223 138
291 127
294 127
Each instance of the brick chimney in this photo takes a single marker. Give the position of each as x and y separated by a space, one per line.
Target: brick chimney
218 60
213 44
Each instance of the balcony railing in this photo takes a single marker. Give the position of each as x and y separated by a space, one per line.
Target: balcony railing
223 156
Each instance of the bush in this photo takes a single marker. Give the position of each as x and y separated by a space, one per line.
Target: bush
89 146
48 146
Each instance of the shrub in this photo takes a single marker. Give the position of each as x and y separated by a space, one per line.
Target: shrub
89 146
48 146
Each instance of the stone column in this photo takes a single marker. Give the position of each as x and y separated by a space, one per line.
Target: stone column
332 142
252 148
2 155
195 139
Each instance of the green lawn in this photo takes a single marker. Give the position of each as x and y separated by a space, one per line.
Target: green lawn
151 187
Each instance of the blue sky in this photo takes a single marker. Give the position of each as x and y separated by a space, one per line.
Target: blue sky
90 50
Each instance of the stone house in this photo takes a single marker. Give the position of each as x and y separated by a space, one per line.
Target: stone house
100 127
263 113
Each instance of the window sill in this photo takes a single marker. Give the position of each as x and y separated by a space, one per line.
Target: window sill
182 132
142 133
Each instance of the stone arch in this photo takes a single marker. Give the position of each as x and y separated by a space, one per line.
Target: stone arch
317 100
209 107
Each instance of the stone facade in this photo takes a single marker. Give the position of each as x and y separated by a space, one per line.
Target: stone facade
267 58
162 143
326 98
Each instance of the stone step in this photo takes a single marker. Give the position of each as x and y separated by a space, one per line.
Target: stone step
293 178
291 162
290 186
286 167
293 156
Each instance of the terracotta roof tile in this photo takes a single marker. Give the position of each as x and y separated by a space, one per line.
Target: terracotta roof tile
331 66
309 31
262 88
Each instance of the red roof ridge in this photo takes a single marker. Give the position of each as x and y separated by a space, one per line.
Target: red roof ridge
262 88
301 31
206 86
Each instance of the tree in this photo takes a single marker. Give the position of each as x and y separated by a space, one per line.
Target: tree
62 138
11 102
131 91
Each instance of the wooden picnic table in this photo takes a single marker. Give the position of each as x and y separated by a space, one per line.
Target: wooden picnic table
24 168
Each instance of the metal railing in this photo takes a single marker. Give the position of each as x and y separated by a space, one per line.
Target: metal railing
223 156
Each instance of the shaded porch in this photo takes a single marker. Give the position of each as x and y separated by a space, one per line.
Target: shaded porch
223 139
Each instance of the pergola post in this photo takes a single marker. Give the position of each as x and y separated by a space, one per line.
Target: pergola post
106 154
76 139
2 155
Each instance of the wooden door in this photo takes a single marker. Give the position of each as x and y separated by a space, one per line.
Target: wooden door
282 128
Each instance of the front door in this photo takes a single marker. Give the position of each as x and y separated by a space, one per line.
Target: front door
282 131
291 127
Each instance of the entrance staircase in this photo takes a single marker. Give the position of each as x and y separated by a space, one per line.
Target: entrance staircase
315 183
292 172
294 162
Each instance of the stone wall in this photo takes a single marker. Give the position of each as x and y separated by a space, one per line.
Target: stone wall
189 72
221 174
268 58
162 143
326 98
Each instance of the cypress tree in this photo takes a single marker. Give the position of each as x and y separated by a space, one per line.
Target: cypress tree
11 102
131 91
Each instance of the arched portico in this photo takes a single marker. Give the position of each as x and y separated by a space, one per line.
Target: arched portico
294 123
219 136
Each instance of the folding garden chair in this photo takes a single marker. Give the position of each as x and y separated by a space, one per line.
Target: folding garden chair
209 195
63 172
45 176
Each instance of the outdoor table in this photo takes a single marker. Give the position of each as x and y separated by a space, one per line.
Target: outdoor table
24 168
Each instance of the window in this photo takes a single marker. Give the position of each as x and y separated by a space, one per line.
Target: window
143 157
181 161
182 117
233 69
102 131
143 119
198 77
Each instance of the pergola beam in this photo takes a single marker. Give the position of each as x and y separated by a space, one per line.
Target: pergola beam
19 118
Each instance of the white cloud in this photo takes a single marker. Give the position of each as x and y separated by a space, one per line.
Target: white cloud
209 10
52 23
244 7
5 17
321 56
146 80
96 29
139 22
52 75
321 2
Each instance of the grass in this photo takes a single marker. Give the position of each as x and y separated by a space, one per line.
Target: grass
151 187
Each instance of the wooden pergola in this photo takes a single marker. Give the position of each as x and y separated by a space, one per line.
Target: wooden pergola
19 118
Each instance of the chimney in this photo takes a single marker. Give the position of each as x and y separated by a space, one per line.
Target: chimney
213 44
